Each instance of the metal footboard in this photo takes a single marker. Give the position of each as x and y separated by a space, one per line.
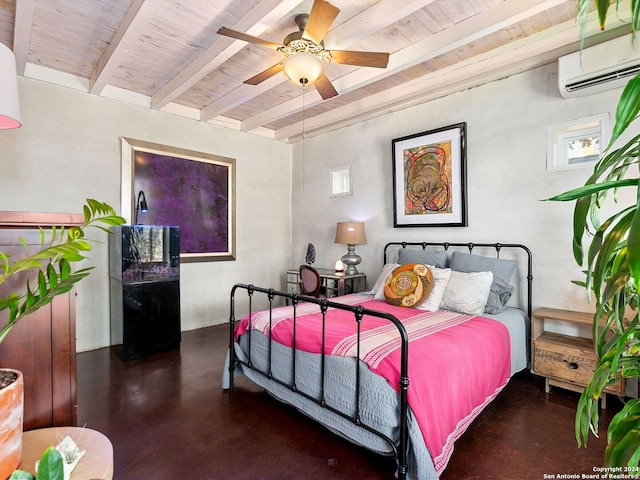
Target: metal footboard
275 298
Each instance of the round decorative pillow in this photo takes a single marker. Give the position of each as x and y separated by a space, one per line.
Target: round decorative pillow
408 285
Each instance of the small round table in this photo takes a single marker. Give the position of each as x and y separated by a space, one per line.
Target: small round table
97 462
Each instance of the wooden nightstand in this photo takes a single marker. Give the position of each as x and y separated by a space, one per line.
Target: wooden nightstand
334 284
565 361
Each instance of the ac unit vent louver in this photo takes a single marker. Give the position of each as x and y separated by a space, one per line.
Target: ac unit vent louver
605 78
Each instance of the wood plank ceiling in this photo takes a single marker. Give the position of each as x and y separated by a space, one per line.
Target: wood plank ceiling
167 55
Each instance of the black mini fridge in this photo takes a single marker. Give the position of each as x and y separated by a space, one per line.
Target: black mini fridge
145 290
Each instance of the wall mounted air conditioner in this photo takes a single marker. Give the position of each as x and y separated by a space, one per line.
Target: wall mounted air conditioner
599 68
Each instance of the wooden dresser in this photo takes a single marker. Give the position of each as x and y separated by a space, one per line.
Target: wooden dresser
43 345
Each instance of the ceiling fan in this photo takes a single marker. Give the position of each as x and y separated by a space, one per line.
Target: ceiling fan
305 53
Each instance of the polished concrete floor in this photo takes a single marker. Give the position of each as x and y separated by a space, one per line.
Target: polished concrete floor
168 418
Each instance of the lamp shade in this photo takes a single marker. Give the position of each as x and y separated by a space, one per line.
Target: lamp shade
9 106
303 68
350 233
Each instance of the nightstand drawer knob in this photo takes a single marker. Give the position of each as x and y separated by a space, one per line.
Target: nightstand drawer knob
573 365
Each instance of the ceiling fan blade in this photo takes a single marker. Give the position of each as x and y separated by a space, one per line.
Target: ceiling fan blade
320 19
262 76
227 32
325 87
362 59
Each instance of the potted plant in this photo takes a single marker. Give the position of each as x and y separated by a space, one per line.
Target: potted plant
51 264
612 272
50 467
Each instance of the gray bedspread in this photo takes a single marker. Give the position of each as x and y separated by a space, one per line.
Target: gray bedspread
379 402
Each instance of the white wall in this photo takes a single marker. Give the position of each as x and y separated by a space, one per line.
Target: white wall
69 149
506 176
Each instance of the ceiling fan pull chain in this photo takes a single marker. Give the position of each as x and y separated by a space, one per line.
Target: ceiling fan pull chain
302 87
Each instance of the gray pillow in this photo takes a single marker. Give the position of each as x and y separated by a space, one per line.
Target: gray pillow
502 270
499 295
435 258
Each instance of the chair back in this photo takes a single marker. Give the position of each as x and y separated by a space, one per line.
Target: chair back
310 281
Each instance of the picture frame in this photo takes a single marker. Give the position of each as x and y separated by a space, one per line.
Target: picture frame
192 190
577 143
429 178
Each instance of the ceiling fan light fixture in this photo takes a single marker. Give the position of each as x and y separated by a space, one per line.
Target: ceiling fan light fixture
303 68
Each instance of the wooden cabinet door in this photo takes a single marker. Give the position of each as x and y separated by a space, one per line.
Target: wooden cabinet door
42 346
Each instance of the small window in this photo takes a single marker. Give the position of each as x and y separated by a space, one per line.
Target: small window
578 143
340 181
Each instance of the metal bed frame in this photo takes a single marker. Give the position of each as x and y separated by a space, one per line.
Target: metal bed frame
400 450
470 246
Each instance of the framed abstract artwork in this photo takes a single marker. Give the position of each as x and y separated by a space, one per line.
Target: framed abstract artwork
170 186
429 178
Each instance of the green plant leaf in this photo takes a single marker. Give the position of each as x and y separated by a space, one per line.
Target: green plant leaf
628 106
599 267
87 214
633 239
590 189
42 284
603 6
52 276
635 16
579 227
65 269
4 261
586 419
584 195
52 264
623 436
21 475
51 465
583 15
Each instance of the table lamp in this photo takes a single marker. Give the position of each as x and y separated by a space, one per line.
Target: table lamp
350 234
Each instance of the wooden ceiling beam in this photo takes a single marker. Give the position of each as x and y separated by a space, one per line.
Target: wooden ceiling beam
138 15
255 22
526 53
510 12
370 21
382 14
22 33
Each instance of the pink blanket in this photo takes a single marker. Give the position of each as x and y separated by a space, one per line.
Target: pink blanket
457 363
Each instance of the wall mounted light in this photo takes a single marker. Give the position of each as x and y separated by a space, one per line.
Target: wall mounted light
351 234
9 105
141 205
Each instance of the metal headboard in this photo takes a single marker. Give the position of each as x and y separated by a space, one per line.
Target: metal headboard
498 247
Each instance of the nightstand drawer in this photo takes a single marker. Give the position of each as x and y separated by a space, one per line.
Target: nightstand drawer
567 358
566 361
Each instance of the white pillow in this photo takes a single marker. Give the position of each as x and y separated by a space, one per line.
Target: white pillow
467 292
440 280
378 289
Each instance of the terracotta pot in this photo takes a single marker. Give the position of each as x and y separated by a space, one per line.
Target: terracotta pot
11 415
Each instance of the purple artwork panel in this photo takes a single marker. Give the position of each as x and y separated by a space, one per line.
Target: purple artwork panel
193 195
